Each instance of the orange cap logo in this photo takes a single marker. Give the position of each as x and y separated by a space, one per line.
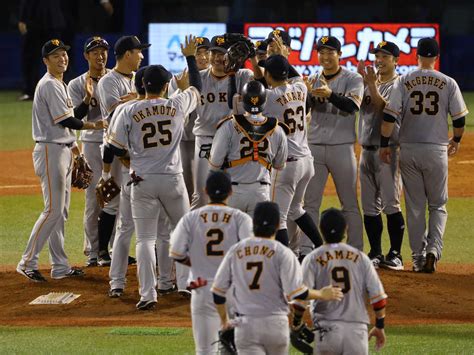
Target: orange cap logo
55 42
96 38
276 32
324 40
220 41
254 100
382 44
199 40
258 43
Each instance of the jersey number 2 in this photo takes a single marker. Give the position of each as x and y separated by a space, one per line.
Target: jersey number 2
150 131
216 236
340 275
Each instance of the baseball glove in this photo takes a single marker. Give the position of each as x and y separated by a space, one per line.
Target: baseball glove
235 57
81 173
232 38
301 338
105 191
226 340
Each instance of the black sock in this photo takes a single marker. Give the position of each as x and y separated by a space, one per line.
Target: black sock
106 227
373 228
396 228
307 225
282 237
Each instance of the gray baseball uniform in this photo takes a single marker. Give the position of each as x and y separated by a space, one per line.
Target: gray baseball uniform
422 101
211 109
91 142
287 103
343 325
205 235
264 273
151 130
251 179
331 139
380 183
52 160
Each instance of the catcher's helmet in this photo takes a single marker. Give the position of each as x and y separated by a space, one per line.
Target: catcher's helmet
254 97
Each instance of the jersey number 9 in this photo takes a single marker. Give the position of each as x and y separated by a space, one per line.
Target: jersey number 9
340 275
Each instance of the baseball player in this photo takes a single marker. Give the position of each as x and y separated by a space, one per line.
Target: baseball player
341 328
201 239
187 146
82 91
422 100
261 48
115 88
213 106
151 129
264 275
380 184
249 146
337 95
53 124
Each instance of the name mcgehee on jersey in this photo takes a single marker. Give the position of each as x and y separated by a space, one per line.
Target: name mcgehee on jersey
425 80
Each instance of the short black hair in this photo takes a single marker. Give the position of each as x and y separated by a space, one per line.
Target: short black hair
218 186
333 225
266 219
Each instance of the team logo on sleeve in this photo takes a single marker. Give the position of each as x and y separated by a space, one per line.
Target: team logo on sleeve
55 42
254 100
324 40
220 41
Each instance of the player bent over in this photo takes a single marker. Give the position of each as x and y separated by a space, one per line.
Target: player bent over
201 240
264 274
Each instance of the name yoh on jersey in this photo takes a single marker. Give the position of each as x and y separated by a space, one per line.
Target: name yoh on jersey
154 111
338 255
425 80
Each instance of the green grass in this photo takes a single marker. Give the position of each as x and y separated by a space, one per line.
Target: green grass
439 339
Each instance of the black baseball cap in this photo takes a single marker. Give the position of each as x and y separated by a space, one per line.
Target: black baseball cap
277 65
155 77
427 47
128 43
95 42
330 42
333 225
266 218
139 80
218 43
283 34
387 48
261 46
202 42
52 46
218 185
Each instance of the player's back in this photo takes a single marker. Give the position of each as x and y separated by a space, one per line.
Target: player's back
212 231
342 265
287 103
110 88
423 99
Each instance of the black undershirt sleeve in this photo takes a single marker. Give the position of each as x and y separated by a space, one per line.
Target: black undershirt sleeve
459 123
343 103
194 76
72 123
81 111
218 299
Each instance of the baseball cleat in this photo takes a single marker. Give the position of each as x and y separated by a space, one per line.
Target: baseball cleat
418 262
146 305
131 260
104 260
185 294
33 275
116 293
376 260
430 264
167 291
393 261
92 262
73 272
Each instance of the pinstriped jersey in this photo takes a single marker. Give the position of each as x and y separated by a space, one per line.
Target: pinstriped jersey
77 91
329 125
287 103
213 105
230 144
370 121
263 272
110 88
422 99
344 266
51 105
151 129
206 234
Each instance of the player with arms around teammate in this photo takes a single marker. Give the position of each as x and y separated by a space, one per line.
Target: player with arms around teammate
422 100
337 95
152 129
53 125
341 328
249 146
201 240
86 102
380 184
264 275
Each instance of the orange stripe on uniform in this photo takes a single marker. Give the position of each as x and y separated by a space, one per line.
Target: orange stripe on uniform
274 185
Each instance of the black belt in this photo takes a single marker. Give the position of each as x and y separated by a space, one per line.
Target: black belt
290 159
371 147
69 145
261 183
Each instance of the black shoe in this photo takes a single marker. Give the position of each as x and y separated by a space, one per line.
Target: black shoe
73 272
393 261
131 260
33 275
92 262
116 293
376 260
146 305
185 294
104 259
167 291
430 264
